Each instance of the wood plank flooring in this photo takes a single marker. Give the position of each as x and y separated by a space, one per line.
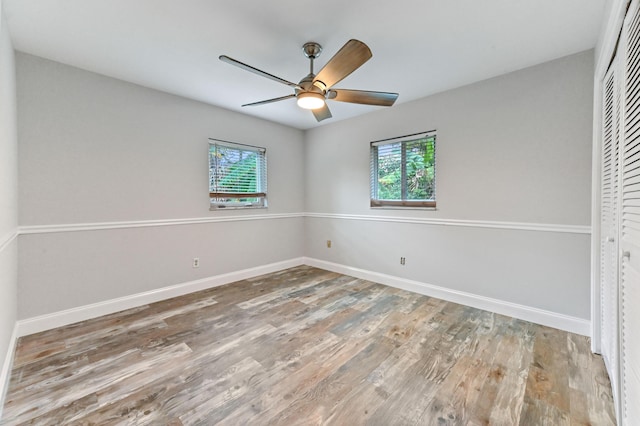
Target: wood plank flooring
304 347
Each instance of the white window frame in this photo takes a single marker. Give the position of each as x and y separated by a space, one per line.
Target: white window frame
215 194
375 202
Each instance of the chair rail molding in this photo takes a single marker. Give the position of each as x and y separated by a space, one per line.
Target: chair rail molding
8 239
521 226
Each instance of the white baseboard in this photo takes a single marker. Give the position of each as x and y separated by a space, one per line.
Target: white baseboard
5 373
527 313
83 313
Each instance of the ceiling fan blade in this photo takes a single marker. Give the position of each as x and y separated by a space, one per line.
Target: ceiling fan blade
348 59
268 101
225 58
363 97
321 113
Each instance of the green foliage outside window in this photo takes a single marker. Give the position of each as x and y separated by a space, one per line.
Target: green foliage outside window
405 170
236 171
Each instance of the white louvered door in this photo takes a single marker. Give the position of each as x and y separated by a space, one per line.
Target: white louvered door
620 221
609 225
630 222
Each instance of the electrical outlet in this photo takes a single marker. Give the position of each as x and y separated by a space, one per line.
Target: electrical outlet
196 262
328 243
402 260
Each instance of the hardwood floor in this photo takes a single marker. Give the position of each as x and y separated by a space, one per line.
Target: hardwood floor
306 346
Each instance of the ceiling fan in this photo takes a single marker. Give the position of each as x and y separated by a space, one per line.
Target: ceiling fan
314 89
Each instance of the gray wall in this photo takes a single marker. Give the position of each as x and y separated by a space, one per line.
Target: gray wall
512 149
96 150
8 193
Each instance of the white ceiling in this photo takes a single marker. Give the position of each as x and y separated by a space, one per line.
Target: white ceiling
420 47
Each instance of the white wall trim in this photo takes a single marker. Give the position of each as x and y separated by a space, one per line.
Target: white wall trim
545 227
82 313
596 237
527 313
5 373
608 37
73 227
522 226
8 239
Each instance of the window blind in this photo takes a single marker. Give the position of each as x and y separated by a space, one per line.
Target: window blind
237 175
403 171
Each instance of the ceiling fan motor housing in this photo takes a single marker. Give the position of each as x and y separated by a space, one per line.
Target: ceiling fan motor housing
308 85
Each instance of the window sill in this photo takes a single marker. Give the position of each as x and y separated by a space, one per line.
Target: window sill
219 209
402 208
403 204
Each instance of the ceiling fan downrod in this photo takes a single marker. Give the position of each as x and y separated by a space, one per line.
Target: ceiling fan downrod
311 50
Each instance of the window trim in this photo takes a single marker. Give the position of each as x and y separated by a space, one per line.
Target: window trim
262 176
404 203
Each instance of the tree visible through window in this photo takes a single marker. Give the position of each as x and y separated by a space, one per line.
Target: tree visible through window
237 175
403 171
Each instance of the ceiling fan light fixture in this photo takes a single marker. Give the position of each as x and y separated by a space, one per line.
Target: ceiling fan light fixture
310 100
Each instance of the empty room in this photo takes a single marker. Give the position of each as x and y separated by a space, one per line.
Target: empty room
335 213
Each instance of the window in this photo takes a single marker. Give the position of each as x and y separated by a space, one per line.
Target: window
403 171
237 175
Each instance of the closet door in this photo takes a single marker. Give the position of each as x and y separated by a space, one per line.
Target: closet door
630 222
609 289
